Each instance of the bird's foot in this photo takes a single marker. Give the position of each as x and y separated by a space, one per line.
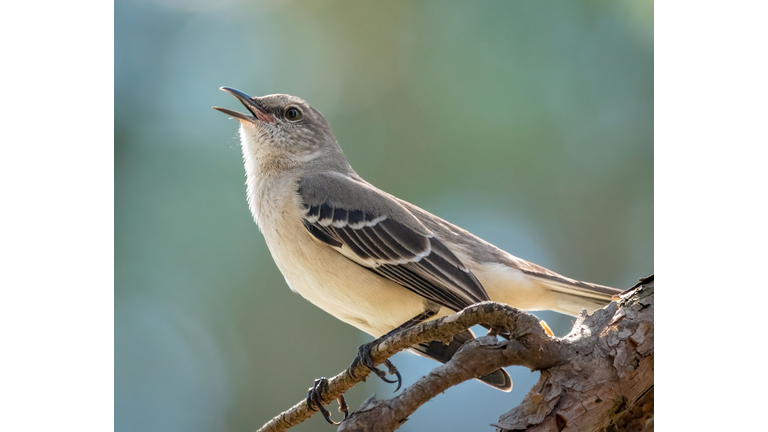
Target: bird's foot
315 398
364 358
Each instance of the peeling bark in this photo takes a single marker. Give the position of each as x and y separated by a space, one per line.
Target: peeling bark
607 384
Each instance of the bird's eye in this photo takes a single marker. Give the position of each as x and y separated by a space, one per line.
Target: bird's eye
292 113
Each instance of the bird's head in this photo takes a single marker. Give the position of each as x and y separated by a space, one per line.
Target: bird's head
283 124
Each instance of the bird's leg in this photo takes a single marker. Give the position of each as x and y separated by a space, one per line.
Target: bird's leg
364 351
315 397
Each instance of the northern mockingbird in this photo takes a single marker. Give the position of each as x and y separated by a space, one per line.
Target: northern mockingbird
366 257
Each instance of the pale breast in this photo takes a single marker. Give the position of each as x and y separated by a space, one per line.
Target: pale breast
325 277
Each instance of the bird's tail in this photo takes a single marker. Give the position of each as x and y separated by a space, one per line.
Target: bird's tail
499 378
571 296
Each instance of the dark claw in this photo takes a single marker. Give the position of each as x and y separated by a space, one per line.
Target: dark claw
315 398
393 371
364 358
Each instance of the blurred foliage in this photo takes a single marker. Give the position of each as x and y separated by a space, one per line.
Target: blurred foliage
527 123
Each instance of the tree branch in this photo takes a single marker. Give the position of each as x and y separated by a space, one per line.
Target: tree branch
520 325
607 384
591 379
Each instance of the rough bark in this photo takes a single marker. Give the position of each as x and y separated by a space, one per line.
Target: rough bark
599 377
607 383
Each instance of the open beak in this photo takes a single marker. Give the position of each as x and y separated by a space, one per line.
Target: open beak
250 103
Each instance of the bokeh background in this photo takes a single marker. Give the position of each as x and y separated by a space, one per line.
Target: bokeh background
528 123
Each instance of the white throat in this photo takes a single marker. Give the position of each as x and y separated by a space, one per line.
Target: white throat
255 159
267 169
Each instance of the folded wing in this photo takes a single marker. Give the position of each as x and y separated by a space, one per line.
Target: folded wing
370 234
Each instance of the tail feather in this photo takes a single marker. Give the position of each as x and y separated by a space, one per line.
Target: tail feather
575 295
499 378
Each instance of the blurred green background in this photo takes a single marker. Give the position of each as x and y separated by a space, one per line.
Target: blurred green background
528 123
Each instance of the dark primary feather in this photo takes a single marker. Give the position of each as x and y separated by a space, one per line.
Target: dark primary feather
417 261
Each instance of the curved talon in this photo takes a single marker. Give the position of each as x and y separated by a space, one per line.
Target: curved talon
315 397
364 358
309 400
393 371
353 365
364 355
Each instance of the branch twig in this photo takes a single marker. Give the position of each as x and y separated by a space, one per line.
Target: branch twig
476 358
522 327
591 379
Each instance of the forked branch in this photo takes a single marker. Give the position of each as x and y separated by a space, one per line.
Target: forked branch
595 377
521 325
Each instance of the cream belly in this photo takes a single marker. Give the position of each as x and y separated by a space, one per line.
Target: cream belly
332 282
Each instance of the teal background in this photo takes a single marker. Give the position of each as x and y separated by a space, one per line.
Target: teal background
529 124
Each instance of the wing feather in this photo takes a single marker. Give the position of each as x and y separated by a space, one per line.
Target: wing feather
374 238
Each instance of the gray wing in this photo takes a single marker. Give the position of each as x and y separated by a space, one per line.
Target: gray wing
375 231
483 251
